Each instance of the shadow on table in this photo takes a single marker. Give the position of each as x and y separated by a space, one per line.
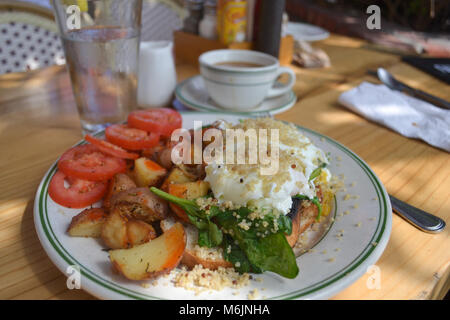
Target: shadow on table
50 281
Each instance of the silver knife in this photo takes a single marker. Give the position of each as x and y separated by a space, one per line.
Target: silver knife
418 218
394 84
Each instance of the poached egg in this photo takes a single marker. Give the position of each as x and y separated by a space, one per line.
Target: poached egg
244 185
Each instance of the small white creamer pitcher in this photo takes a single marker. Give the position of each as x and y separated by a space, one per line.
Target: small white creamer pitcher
157 76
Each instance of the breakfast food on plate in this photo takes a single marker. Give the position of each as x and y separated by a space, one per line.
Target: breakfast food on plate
153 258
88 223
210 258
156 214
253 220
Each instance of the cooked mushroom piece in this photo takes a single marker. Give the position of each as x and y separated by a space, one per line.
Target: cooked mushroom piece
141 204
120 182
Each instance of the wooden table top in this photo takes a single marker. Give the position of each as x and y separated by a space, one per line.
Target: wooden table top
38 121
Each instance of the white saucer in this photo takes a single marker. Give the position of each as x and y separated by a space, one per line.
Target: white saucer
192 93
306 32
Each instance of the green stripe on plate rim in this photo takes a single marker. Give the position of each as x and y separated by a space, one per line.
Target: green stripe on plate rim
379 231
179 95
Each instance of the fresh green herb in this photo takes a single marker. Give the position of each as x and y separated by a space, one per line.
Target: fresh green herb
316 172
314 200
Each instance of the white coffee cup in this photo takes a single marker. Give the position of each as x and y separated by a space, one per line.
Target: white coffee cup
242 87
157 76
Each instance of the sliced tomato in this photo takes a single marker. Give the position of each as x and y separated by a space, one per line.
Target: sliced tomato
111 149
87 162
160 120
130 138
79 194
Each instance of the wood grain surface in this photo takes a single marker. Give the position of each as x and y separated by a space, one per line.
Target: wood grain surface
38 121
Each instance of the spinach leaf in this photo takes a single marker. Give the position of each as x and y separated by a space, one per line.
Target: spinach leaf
200 223
284 224
301 197
269 253
215 234
210 237
237 257
267 224
204 240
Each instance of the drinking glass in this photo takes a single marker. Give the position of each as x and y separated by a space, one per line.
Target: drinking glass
101 45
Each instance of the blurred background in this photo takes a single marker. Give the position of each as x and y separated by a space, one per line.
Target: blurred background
29 37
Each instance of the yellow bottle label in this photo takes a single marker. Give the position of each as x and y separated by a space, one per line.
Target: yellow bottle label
233 21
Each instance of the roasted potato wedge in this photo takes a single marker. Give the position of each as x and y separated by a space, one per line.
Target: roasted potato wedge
88 223
139 232
141 204
114 231
176 175
187 190
148 173
153 258
119 232
120 182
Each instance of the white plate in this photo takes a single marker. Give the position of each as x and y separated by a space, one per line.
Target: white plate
306 32
319 277
193 94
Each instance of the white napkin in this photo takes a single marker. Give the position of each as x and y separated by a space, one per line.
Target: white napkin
408 116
